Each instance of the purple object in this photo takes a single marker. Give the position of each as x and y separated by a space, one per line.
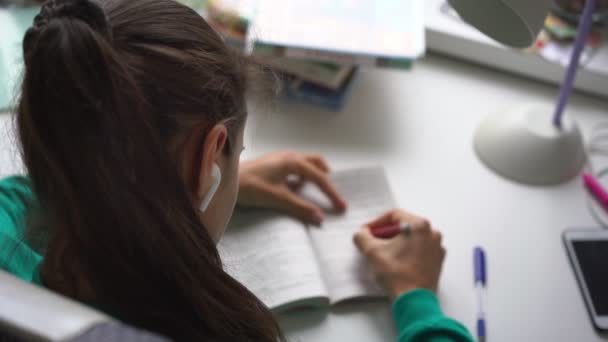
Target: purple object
481 330
579 45
479 264
479 261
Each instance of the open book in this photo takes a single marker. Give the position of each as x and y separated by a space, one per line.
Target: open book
288 264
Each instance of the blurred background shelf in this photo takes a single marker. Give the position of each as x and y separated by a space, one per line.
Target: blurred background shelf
448 35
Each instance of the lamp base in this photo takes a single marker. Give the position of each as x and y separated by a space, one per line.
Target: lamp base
522 144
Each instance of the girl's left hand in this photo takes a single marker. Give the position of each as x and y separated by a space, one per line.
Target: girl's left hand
265 183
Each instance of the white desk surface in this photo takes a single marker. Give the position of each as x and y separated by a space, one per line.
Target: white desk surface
420 125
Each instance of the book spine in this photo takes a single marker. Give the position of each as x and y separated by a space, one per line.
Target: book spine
328 56
331 56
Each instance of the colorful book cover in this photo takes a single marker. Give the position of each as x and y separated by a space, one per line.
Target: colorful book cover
308 92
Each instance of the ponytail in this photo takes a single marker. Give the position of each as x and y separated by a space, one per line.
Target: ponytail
123 232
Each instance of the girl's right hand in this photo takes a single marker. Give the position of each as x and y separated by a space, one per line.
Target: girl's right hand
406 261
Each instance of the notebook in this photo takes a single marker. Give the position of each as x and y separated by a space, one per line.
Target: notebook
386 33
288 264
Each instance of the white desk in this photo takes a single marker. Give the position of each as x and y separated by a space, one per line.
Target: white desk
419 125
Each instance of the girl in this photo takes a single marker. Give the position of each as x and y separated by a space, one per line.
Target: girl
131 122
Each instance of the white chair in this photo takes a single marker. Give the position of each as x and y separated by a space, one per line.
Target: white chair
32 313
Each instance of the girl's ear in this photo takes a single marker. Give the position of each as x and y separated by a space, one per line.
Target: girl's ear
211 156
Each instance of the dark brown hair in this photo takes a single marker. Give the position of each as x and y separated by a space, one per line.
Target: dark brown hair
110 93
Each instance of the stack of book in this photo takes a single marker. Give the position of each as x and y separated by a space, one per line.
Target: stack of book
319 45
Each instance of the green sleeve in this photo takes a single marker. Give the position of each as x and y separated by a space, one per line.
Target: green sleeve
16 256
419 318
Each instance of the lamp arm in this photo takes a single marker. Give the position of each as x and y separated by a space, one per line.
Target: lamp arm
584 28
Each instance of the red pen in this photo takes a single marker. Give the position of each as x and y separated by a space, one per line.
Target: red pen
389 231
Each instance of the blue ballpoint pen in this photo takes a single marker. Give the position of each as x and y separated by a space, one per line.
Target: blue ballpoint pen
479 262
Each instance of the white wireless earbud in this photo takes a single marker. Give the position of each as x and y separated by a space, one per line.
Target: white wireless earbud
216 176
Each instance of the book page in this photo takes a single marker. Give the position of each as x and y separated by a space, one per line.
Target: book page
389 28
345 270
272 256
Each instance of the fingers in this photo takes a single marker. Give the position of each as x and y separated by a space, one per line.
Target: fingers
318 161
399 216
366 241
290 203
315 174
387 218
436 235
419 226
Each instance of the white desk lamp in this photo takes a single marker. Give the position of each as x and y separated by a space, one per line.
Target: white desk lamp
528 143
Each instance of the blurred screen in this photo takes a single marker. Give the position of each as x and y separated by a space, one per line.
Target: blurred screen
593 262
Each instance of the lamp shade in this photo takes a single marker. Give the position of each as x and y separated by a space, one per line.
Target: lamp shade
523 144
515 23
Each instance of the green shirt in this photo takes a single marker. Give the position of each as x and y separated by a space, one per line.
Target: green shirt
419 318
417 313
16 256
